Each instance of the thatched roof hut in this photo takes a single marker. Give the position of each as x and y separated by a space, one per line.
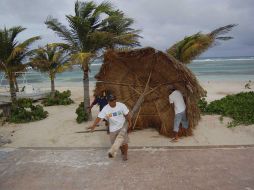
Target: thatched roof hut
126 73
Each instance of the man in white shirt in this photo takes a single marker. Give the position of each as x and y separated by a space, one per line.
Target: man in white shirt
176 98
116 113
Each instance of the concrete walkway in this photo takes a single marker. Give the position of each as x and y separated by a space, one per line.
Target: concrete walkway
147 168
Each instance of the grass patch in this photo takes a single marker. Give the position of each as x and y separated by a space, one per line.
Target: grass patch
240 107
61 98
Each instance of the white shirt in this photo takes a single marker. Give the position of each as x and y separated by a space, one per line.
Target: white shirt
176 97
115 115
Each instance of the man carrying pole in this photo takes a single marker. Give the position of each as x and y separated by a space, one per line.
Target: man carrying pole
116 113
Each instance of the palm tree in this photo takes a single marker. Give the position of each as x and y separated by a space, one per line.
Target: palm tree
192 46
51 59
89 32
12 54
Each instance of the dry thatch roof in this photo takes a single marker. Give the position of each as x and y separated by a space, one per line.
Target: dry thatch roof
126 73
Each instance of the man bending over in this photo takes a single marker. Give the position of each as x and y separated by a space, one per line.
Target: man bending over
176 98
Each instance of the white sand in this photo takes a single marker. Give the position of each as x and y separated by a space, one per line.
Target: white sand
219 89
60 128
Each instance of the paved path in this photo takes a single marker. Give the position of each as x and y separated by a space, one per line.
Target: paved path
150 168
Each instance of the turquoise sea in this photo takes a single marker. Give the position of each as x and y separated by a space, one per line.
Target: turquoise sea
206 69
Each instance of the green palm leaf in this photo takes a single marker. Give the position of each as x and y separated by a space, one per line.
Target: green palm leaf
192 46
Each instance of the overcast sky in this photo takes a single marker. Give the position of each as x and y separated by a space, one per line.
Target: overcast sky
163 22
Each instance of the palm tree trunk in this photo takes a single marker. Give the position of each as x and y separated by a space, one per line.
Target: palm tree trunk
16 84
86 94
52 87
12 88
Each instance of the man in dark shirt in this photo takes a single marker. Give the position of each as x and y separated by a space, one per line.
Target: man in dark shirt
101 101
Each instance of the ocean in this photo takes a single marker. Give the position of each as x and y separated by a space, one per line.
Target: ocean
205 69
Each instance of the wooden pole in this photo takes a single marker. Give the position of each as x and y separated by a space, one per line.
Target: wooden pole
120 137
136 118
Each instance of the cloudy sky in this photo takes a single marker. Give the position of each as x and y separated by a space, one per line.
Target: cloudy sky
163 22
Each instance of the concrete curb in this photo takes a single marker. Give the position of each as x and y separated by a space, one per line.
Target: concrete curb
139 147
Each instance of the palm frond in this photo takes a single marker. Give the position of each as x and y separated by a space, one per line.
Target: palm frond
104 7
15 31
59 45
61 30
50 58
21 50
82 59
192 46
222 30
79 30
84 9
28 42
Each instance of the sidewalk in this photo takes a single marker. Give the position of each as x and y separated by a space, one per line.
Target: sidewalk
147 168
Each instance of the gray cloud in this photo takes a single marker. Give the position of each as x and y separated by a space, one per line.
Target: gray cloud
162 22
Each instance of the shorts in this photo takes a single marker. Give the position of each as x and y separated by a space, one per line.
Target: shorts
180 118
114 134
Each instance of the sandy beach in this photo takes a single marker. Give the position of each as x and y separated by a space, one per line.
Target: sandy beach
60 128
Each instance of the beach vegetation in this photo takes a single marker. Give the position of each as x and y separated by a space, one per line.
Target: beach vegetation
240 107
192 46
202 104
24 111
51 59
247 85
60 98
92 29
82 115
13 54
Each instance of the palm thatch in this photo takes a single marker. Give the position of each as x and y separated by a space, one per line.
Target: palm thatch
126 73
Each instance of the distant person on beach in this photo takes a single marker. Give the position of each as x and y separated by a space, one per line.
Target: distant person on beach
101 101
116 113
176 98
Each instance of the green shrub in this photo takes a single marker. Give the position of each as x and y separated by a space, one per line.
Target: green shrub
202 104
61 98
24 102
240 107
82 116
24 111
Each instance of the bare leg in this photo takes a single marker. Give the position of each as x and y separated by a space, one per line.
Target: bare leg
122 149
176 135
107 126
125 152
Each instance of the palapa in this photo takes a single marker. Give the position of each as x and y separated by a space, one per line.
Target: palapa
127 73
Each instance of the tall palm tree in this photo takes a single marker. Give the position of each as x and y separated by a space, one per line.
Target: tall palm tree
192 46
51 59
88 32
13 53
